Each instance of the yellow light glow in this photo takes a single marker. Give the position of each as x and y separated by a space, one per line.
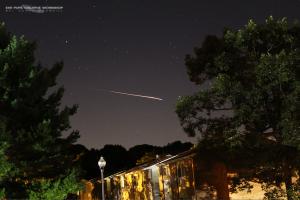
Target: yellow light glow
256 193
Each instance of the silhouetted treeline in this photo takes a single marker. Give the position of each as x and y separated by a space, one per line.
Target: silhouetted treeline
119 158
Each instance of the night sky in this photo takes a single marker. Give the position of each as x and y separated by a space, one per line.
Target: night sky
131 46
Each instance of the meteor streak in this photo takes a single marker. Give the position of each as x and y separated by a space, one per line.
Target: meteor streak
131 94
135 95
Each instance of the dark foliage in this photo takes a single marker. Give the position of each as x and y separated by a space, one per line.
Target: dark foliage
118 158
33 117
247 111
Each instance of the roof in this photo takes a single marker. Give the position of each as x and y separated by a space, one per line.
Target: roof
166 159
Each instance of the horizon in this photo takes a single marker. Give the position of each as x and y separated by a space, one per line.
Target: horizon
130 47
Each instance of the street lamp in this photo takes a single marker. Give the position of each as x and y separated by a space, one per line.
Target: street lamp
102 164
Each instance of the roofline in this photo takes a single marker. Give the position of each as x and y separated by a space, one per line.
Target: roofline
145 166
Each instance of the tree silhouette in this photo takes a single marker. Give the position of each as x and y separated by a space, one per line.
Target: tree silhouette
247 111
33 117
118 158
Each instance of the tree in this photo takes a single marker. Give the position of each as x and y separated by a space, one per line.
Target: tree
138 151
138 154
248 108
112 155
176 147
47 189
146 158
6 168
33 118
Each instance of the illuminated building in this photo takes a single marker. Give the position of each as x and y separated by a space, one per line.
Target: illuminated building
179 177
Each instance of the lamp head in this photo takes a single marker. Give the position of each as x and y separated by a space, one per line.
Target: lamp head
101 162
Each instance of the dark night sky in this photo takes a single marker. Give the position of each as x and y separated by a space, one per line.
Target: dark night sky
135 46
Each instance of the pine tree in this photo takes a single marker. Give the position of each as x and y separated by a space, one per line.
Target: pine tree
30 108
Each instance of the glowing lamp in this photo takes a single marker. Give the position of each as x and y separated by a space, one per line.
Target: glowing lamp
101 162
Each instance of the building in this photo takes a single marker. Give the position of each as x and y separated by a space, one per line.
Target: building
178 177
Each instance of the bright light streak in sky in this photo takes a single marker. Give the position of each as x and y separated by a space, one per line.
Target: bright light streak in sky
136 95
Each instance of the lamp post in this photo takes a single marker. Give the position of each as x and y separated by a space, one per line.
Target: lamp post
102 164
